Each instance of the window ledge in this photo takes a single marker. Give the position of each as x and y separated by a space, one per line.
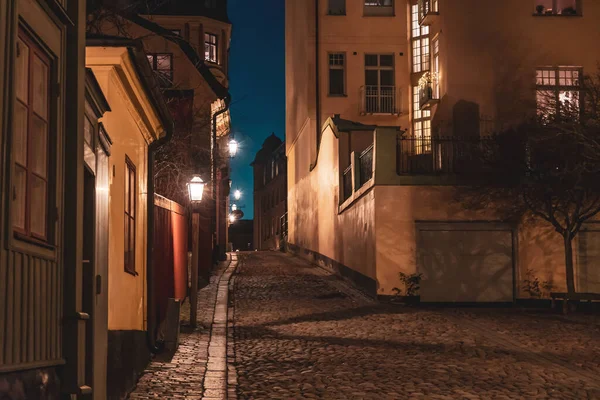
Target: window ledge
337 95
336 14
34 241
134 273
558 15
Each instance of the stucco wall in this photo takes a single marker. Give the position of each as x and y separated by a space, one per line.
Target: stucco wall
126 292
492 67
314 222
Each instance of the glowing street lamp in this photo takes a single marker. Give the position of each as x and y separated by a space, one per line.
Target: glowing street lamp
233 207
196 189
233 147
231 218
237 195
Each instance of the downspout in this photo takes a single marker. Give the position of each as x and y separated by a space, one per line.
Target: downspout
317 87
214 154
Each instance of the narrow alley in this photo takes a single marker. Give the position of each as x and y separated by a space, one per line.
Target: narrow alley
301 333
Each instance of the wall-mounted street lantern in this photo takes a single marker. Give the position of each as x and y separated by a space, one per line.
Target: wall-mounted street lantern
237 194
231 218
233 147
233 207
195 190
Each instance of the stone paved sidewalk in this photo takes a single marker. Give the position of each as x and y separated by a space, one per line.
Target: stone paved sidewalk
190 374
299 335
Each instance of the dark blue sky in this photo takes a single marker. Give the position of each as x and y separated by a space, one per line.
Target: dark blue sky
257 85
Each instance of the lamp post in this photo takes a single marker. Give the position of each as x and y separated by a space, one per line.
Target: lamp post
195 190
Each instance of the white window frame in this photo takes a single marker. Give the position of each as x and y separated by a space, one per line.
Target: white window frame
420 60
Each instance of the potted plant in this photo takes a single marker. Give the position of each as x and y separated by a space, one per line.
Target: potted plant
540 9
569 11
412 284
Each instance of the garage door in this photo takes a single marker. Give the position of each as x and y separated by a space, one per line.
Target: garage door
465 264
588 262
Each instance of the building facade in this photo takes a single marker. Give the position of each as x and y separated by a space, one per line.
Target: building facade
270 194
366 116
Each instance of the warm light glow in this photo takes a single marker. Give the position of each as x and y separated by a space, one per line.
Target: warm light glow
237 195
233 147
233 207
196 188
231 218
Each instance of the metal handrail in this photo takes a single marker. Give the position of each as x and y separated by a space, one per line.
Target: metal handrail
379 99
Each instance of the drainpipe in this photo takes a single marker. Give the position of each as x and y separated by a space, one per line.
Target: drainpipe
214 155
317 87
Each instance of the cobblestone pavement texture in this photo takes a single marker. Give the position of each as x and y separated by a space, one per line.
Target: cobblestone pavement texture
183 376
300 335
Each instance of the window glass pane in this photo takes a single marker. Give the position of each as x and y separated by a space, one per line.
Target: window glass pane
22 71
39 146
337 7
132 192
386 60
132 243
19 199
371 77
127 189
387 78
163 62
546 103
40 87
38 206
336 81
88 131
20 134
371 60
569 103
126 245
566 6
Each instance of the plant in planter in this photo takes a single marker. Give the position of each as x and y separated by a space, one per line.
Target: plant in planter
412 284
540 8
536 288
569 11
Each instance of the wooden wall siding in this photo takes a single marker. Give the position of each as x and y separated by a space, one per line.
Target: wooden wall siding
30 311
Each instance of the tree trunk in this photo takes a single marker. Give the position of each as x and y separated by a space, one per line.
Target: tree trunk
569 262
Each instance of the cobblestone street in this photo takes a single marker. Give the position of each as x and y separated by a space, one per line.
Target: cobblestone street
300 334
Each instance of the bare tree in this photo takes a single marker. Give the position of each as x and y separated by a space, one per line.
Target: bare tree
548 168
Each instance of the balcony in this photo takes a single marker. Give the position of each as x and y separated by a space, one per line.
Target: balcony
379 100
438 155
428 11
428 90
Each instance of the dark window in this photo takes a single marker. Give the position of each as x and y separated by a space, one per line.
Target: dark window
337 7
162 63
130 213
211 49
379 3
337 74
30 194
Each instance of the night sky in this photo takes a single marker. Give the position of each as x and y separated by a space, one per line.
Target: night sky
257 85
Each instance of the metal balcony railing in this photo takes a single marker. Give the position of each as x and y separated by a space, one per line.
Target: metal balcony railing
427 94
366 165
439 155
379 100
347 183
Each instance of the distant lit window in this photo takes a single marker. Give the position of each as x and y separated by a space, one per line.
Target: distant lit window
337 7
337 74
558 92
436 68
420 43
379 7
556 7
211 49
421 125
379 3
162 63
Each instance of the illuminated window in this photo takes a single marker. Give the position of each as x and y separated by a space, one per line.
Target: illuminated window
436 68
337 74
556 7
421 125
162 63
557 92
337 7
379 7
130 214
31 193
420 42
211 49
